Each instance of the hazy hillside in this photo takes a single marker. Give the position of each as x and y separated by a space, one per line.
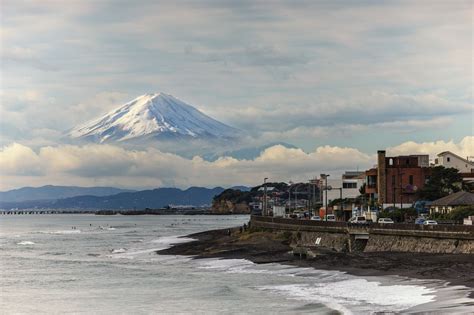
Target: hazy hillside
156 198
51 192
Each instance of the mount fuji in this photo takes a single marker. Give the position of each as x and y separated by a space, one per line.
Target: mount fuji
156 116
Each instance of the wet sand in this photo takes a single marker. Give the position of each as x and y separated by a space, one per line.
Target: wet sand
267 247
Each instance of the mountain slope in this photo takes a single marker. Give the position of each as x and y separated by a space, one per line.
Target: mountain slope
50 192
159 116
156 198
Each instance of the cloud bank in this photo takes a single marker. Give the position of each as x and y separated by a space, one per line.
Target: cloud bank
310 73
114 166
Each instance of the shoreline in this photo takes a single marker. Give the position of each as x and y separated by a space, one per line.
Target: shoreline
268 247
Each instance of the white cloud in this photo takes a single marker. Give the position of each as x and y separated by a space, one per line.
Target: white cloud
115 166
464 148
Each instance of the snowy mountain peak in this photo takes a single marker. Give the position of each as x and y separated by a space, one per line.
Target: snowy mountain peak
156 115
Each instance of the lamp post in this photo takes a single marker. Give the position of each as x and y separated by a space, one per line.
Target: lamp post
264 210
289 197
326 189
296 197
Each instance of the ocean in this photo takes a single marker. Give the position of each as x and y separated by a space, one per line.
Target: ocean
56 264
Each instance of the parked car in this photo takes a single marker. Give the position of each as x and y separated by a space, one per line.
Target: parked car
358 220
430 222
385 221
330 217
316 218
420 221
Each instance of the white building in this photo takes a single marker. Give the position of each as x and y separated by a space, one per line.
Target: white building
449 159
347 186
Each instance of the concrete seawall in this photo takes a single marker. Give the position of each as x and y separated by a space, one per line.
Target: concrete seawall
374 238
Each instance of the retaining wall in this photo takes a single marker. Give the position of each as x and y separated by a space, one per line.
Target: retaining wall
389 237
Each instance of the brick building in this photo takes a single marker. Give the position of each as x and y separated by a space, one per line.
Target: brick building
396 180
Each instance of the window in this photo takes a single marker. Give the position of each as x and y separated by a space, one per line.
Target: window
448 159
393 180
411 179
390 161
349 185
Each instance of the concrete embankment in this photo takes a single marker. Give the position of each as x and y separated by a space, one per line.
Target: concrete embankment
373 238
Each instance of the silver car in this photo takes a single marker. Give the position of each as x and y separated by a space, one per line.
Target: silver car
385 221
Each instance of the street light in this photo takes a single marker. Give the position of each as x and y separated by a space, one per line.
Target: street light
326 189
289 196
264 210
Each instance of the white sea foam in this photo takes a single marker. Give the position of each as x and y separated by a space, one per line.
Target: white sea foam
65 232
132 254
357 292
167 241
119 251
247 267
227 265
337 290
163 243
25 243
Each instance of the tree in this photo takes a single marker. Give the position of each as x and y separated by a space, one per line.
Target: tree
443 181
399 215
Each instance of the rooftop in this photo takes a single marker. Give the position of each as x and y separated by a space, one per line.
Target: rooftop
460 198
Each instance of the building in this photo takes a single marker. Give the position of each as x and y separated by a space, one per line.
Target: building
395 180
449 159
347 186
448 203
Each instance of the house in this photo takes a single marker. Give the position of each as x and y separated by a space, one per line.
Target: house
395 180
448 203
346 187
449 159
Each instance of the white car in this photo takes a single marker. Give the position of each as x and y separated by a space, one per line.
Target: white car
358 220
430 222
385 221
316 218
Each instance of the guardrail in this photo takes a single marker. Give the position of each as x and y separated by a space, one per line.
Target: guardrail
395 226
298 222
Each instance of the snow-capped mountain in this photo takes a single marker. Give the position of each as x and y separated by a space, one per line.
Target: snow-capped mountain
153 116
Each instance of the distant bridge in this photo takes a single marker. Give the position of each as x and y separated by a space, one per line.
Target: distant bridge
25 212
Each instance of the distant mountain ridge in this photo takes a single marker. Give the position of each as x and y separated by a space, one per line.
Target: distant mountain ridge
50 192
155 198
157 116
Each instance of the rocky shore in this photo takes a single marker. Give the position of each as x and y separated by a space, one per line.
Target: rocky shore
270 247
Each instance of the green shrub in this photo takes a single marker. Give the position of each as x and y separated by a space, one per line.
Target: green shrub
399 215
460 213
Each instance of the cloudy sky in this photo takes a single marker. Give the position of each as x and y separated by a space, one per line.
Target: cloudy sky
338 80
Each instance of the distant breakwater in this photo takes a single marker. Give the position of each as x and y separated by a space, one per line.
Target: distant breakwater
184 211
339 236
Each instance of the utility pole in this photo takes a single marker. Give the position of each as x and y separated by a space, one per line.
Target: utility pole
289 196
264 211
401 190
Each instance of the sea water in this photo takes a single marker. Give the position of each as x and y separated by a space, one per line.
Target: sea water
108 265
